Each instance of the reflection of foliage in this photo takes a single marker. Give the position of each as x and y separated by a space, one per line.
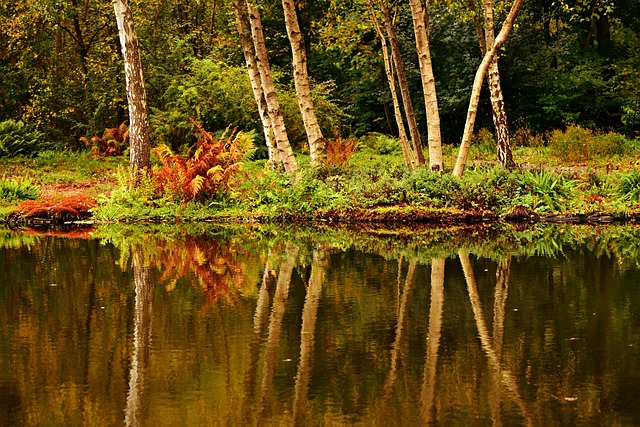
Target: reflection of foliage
13 240
178 254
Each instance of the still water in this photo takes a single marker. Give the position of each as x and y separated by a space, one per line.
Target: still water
267 326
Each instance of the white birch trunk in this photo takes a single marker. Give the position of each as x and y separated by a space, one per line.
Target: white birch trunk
317 143
285 153
240 11
428 84
477 86
402 81
390 73
139 151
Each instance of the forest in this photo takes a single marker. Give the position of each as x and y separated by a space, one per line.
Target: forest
568 79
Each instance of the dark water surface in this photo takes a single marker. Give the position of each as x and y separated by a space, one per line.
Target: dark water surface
276 327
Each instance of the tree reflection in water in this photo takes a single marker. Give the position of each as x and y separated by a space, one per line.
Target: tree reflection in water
143 319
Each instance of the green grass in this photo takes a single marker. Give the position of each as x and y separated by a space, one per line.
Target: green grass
374 179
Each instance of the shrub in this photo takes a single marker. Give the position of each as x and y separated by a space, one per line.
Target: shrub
546 191
211 168
629 186
577 144
339 150
113 142
18 139
15 189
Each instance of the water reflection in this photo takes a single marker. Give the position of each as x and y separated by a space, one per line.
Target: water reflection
287 327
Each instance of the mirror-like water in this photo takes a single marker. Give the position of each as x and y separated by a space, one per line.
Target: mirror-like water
277 328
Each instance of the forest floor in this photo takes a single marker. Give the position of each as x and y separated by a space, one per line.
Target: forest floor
75 187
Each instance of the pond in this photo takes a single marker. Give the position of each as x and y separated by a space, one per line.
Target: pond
248 325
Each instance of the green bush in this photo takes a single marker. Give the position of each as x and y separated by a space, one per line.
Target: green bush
545 191
629 186
18 139
15 189
577 144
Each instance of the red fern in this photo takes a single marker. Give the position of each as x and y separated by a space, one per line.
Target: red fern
210 166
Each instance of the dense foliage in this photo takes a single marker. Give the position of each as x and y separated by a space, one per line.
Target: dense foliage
566 63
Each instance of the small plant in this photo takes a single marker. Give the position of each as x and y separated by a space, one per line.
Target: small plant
546 191
18 139
113 142
211 168
339 150
629 187
15 189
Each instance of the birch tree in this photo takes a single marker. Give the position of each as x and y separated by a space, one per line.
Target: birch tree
477 86
389 69
139 152
499 113
242 24
402 81
420 27
285 153
317 143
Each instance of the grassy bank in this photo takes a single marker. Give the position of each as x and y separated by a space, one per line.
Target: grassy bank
371 185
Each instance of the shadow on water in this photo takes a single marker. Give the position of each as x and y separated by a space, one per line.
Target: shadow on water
259 325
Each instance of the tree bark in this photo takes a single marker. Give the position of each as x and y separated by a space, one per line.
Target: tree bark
402 81
419 15
317 143
389 71
477 85
240 11
285 153
139 151
500 123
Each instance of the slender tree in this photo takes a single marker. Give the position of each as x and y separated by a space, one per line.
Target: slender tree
240 11
285 153
477 85
499 113
389 69
420 27
402 81
139 152
317 143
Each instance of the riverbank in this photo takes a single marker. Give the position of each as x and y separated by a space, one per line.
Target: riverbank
373 186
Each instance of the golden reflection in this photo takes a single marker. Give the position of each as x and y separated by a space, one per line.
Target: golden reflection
427 396
319 267
275 321
495 362
143 317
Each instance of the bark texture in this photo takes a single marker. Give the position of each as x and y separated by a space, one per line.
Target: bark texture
477 85
285 153
419 16
317 143
242 25
390 73
500 123
402 81
139 152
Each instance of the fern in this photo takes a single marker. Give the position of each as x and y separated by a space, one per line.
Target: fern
210 166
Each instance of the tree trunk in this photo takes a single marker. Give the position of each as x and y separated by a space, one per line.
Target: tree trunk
477 85
317 143
402 81
139 151
240 11
500 123
285 153
389 71
419 15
